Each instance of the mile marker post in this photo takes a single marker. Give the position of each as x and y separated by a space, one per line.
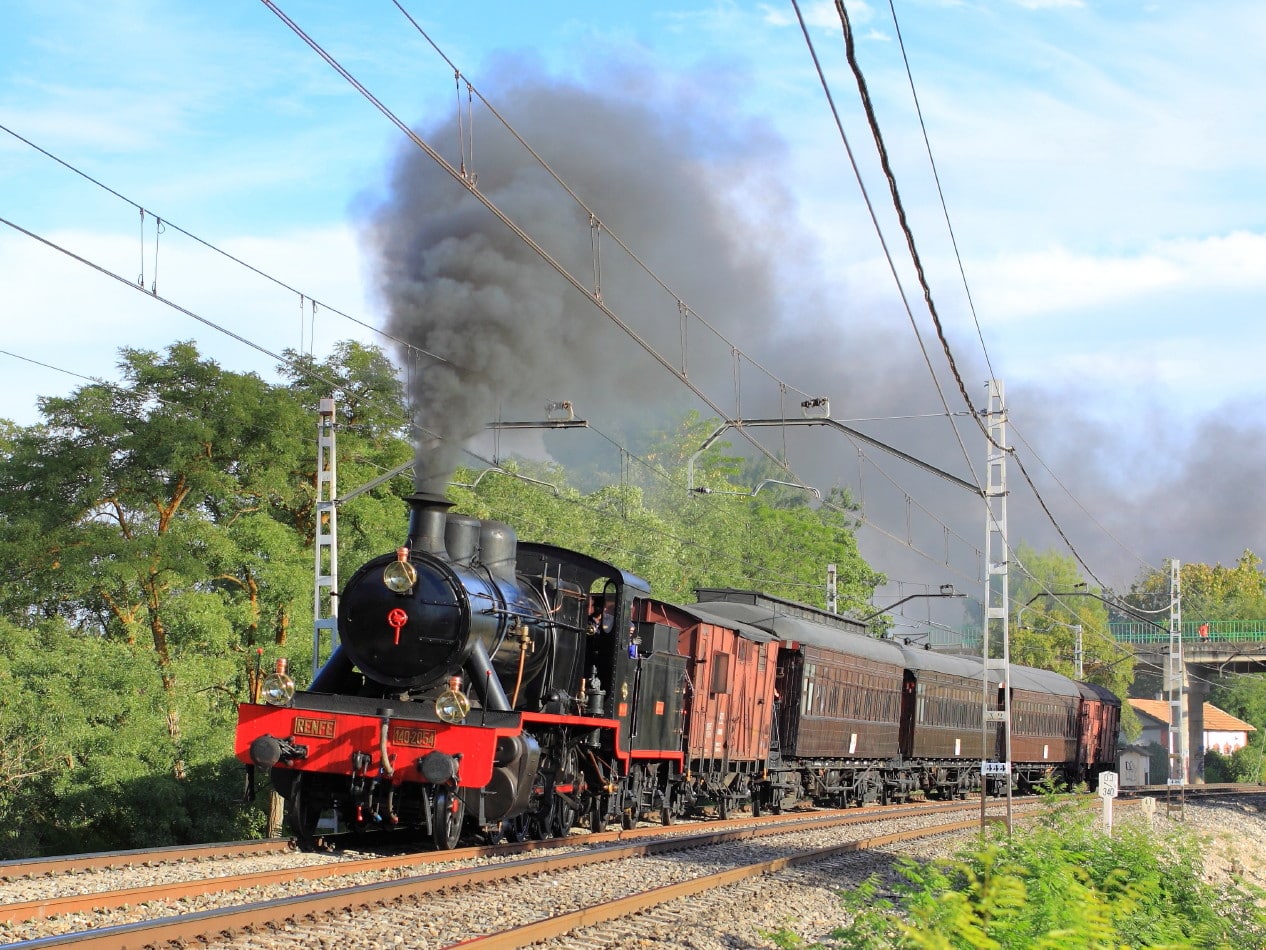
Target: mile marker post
1108 791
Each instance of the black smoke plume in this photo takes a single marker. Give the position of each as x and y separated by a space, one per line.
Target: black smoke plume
701 193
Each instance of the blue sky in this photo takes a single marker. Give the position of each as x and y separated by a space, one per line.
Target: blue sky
1101 164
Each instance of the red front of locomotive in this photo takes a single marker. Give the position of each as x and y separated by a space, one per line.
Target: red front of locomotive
408 723
344 743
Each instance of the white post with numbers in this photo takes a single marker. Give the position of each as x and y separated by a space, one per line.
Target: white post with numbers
1108 783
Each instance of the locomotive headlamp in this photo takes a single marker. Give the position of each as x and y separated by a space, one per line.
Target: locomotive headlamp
400 575
452 705
278 688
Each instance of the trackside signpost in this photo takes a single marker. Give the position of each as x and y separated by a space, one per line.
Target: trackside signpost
1108 782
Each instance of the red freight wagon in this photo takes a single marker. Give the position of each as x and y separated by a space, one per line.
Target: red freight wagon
1100 722
731 668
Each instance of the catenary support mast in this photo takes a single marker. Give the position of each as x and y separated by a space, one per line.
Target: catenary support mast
1175 681
996 642
325 597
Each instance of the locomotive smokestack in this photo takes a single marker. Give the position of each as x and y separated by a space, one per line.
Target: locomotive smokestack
427 514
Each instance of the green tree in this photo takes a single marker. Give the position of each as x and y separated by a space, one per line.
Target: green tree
1209 592
170 518
84 731
1049 602
118 499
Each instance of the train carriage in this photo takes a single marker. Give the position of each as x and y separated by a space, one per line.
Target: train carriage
1045 710
839 697
942 720
730 697
1097 732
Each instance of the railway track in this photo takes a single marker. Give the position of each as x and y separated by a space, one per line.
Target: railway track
592 884
105 860
215 900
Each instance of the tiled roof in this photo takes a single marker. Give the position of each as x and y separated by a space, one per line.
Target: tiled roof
1215 719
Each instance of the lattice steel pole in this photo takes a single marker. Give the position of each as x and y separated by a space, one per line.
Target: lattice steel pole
1179 746
997 669
325 594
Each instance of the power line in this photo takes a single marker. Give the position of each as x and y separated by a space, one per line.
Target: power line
927 143
592 215
303 296
223 253
1126 548
892 267
851 53
593 295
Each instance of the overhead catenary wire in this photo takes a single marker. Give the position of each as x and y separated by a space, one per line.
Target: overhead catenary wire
874 217
434 356
850 50
220 251
1139 559
518 231
597 225
936 177
862 519
336 385
304 297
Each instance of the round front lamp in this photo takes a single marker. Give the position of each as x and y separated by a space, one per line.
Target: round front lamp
278 689
400 575
452 705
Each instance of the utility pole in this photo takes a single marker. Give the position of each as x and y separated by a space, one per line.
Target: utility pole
831 578
1175 676
325 597
997 707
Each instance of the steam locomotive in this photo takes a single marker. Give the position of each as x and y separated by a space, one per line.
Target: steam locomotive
482 684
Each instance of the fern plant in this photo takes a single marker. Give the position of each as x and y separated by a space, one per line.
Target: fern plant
1058 883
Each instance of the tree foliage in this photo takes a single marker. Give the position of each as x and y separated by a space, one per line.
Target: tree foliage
158 533
1049 602
1209 592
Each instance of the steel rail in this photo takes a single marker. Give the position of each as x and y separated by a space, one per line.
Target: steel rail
553 927
41 908
59 864
199 925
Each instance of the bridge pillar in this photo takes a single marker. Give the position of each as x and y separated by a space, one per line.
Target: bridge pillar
1197 695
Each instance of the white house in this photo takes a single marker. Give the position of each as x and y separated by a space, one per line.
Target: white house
1222 731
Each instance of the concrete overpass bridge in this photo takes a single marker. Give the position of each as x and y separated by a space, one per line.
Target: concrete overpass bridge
1210 649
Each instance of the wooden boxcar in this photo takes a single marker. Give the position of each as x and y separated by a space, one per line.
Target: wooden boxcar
729 704
1100 723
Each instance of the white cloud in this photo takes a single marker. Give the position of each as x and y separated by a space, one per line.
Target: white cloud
1019 286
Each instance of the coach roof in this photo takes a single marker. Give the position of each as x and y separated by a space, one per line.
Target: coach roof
744 630
785 627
